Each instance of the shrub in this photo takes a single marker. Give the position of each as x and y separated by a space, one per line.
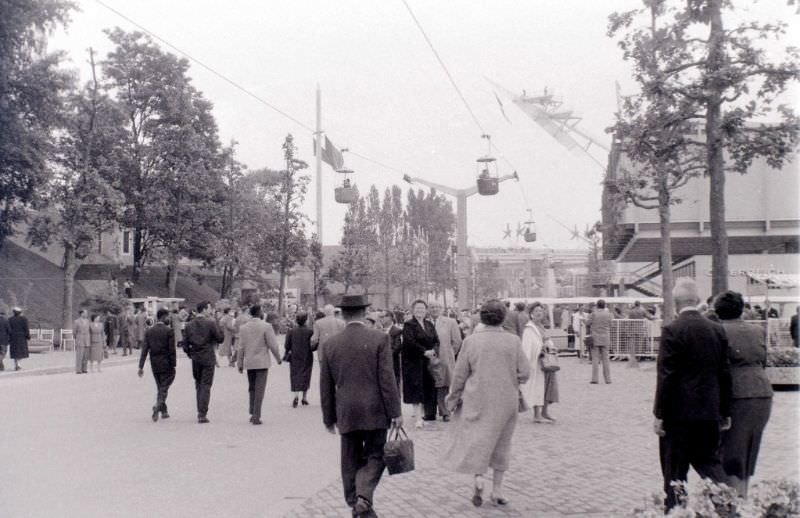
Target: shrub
783 357
768 499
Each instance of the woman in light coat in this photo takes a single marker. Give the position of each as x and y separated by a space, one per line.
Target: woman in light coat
484 399
97 342
541 388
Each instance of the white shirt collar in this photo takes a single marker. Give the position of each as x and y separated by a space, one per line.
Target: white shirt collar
687 308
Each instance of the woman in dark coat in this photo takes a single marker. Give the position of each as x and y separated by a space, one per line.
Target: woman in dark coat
301 357
419 344
19 336
751 397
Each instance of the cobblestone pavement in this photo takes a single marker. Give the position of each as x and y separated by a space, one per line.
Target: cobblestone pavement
599 460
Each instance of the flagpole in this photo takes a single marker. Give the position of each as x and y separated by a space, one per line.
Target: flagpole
318 135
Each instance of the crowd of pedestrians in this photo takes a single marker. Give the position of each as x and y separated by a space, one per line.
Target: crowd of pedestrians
480 369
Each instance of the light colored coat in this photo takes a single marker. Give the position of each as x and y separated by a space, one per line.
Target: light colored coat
532 345
256 341
228 325
449 344
485 397
324 328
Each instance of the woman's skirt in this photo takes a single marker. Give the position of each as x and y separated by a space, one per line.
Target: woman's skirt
741 443
96 352
550 387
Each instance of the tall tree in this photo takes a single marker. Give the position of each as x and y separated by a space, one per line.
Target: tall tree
81 203
654 131
731 81
315 264
352 265
31 97
431 217
144 80
291 245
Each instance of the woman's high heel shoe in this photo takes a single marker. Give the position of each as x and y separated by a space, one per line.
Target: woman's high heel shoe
477 495
498 500
294 403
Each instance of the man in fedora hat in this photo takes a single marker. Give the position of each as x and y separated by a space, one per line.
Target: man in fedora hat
359 397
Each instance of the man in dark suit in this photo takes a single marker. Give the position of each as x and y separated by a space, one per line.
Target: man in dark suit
5 337
199 338
693 393
792 327
159 342
359 396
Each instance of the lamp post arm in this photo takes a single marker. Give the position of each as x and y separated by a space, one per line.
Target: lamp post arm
433 185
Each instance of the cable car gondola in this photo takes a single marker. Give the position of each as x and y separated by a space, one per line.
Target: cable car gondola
346 193
488 180
530 229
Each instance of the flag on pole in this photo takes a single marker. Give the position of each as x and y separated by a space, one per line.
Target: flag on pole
501 108
330 154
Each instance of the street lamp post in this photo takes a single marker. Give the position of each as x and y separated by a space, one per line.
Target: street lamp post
461 195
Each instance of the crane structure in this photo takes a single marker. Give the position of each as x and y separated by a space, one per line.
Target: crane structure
461 195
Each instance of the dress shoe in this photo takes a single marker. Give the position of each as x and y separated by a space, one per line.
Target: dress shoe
304 402
155 414
593 382
256 421
203 420
429 418
498 500
446 418
164 415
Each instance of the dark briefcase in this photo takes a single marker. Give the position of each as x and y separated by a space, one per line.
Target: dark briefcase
398 453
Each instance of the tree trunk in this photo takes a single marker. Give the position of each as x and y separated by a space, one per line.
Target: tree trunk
714 157
70 269
667 281
172 273
137 253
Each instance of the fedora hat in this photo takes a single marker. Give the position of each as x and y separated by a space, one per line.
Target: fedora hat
353 302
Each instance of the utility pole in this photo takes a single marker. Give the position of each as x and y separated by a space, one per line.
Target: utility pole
461 195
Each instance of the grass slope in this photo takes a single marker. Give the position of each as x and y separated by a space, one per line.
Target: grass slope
30 281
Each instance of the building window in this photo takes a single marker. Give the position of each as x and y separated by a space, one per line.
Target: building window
687 270
126 242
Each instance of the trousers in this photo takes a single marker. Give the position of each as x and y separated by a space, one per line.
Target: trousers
441 395
600 354
203 379
163 382
81 358
362 463
686 443
256 385
429 395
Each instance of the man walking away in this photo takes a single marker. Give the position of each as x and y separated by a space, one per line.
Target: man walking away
359 396
5 337
256 341
693 393
82 334
201 335
325 328
600 322
112 331
159 342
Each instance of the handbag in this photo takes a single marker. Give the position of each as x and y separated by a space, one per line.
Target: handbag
398 452
550 362
436 369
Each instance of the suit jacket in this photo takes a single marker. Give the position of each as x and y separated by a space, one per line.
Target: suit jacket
449 336
141 324
747 351
357 384
600 320
159 341
694 373
203 334
81 332
256 340
793 329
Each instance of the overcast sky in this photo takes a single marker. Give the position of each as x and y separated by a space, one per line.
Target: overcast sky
385 96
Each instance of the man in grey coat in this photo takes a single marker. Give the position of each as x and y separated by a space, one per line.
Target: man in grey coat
449 345
600 322
256 341
359 397
326 327
80 332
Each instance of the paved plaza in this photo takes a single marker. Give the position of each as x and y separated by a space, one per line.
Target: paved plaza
85 446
